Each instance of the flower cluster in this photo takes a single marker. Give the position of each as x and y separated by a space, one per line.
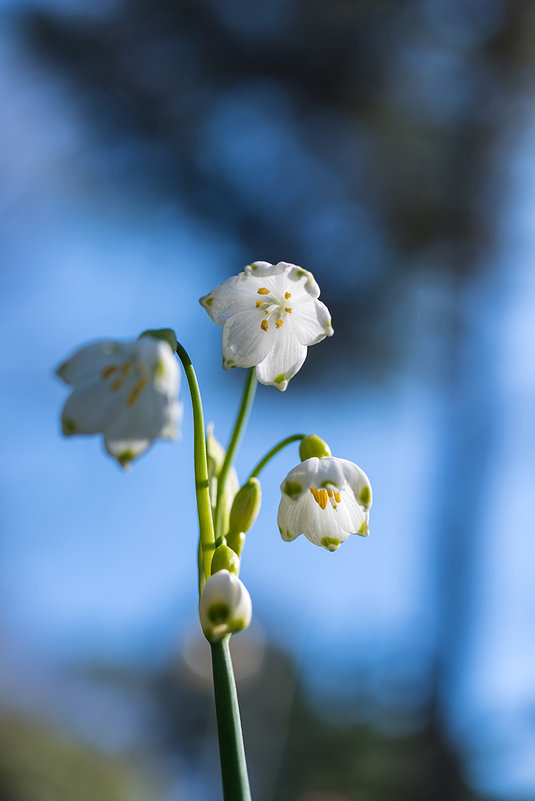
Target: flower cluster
128 392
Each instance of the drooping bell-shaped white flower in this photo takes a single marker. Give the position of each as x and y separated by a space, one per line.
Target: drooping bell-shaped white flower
270 314
225 606
127 391
325 499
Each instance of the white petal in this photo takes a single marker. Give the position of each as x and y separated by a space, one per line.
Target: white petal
236 294
88 362
152 415
283 361
358 481
226 590
245 343
329 474
348 514
325 528
288 519
91 408
300 478
311 321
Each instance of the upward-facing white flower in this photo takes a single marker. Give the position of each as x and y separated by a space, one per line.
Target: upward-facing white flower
325 499
127 391
270 314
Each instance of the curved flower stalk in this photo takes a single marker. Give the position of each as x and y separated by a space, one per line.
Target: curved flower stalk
127 391
326 499
225 606
270 314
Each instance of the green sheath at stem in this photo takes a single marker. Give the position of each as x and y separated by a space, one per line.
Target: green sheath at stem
231 750
273 452
202 488
239 426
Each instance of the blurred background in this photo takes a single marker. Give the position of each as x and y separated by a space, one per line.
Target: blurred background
149 149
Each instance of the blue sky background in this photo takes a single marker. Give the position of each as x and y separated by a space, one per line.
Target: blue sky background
97 561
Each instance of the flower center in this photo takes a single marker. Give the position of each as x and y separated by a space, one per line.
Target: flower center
323 497
273 307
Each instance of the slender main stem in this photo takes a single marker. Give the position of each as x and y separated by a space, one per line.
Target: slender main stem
239 427
202 487
231 750
276 448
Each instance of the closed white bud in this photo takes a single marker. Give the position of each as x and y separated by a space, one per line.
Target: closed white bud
225 606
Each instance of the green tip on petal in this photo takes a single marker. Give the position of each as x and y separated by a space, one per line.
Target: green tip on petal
292 489
330 543
68 426
365 495
218 613
126 457
279 378
167 334
364 529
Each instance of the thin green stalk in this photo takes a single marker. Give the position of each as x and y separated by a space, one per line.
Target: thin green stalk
231 751
276 448
202 488
239 427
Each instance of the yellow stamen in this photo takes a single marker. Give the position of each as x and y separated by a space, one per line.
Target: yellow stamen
288 309
287 295
330 493
262 291
111 368
259 303
264 325
320 496
278 323
138 389
337 497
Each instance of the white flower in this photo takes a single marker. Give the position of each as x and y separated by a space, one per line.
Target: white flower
325 499
225 606
127 391
270 314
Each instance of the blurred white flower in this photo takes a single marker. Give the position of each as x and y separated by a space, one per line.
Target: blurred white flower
127 391
225 606
270 314
325 499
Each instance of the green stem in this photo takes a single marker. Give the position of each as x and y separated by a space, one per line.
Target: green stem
276 448
239 426
231 750
202 488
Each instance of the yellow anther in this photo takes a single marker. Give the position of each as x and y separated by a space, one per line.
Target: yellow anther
117 384
337 497
109 370
138 389
287 295
259 303
264 325
330 493
320 496
125 368
262 291
278 323
288 309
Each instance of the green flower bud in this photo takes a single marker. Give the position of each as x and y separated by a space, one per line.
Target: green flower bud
225 558
246 506
313 446
167 334
236 540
